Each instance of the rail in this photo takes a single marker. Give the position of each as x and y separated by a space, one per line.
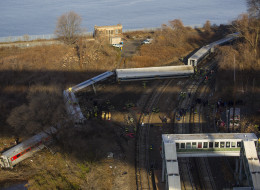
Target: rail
143 170
188 108
202 164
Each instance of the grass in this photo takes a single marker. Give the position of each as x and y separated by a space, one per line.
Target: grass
168 44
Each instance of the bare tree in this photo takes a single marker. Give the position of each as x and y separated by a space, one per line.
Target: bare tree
254 8
68 27
207 27
177 25
179 32
249 29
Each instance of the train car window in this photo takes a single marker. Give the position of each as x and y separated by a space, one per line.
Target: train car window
199 144
177 145
205 145
238 144
194 145
210 144
222 144
216 144
227 144
182 145
233 144
188 145
18 155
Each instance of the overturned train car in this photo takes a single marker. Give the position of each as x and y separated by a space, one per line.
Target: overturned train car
27 148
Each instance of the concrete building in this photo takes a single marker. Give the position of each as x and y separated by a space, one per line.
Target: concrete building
113 33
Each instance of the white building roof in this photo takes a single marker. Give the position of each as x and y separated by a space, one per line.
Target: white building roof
167 138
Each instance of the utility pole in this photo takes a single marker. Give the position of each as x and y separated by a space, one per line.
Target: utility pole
234 103
80 52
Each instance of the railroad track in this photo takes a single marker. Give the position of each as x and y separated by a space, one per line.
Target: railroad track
204 171
182 127
142 162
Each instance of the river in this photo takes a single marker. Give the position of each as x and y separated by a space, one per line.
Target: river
39 16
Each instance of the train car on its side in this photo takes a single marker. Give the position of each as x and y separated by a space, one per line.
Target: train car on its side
27 148
149 73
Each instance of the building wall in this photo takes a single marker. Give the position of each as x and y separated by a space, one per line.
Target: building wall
110 31
115 40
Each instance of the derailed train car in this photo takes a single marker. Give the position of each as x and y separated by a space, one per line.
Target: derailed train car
72 107
149 73
204 51
27 148
71 102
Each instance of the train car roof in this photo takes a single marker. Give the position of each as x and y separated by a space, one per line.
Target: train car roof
228 38
159 69
92 81
202 51
174 182
29 142
170 151
145 72
172 168
253 162
168 138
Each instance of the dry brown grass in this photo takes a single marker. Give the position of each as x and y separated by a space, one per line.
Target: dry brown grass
170 43
96 56
61 172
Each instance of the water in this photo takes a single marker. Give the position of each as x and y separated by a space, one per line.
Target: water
19 17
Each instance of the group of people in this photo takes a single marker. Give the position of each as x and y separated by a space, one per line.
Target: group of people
204 73
99 111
